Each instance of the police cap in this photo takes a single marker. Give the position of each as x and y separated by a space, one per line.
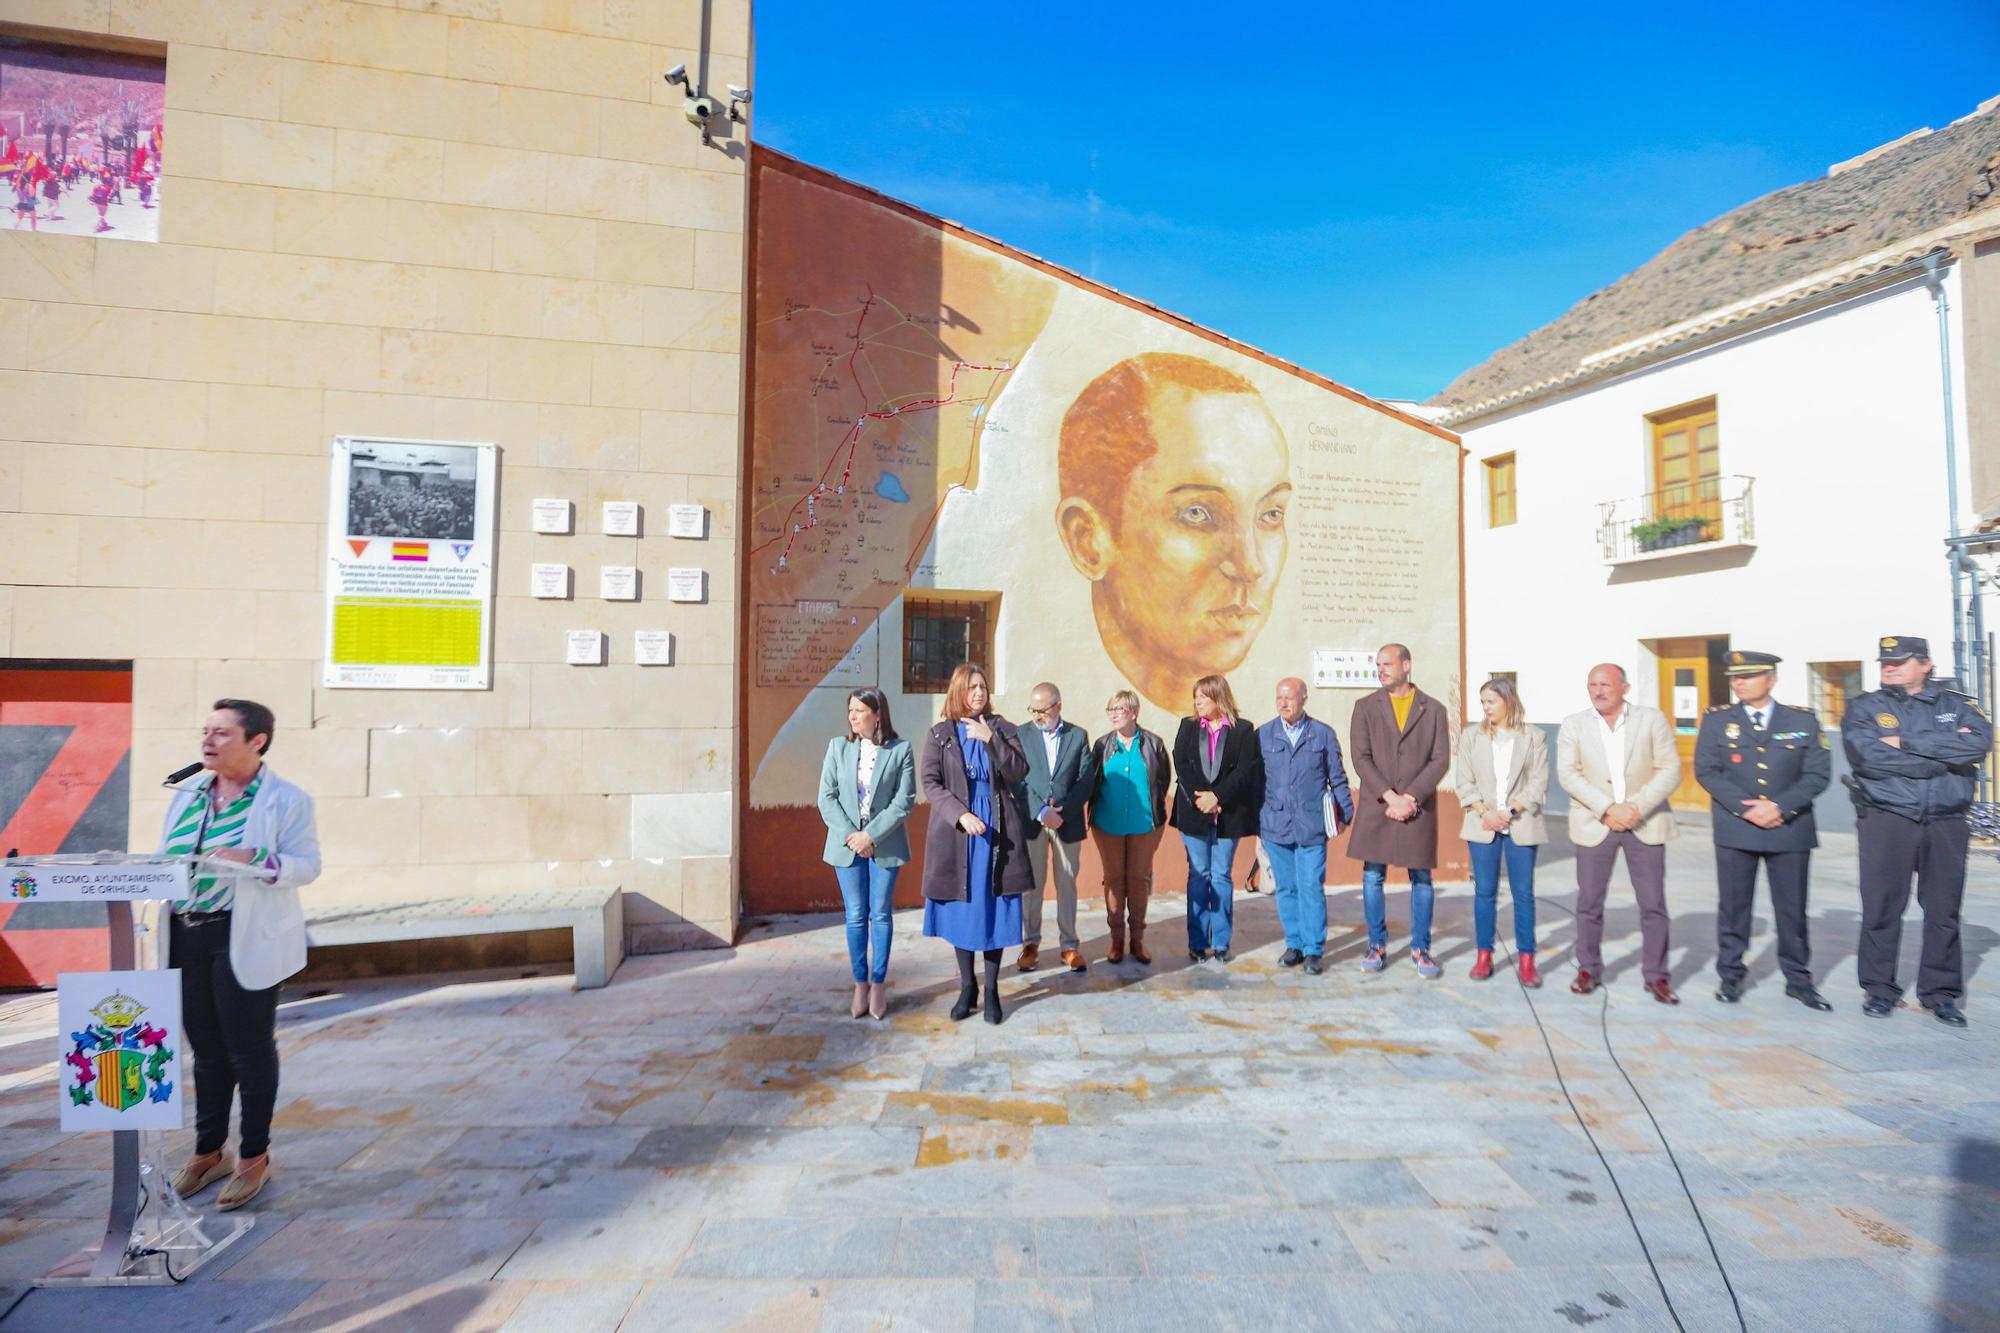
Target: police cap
1745 663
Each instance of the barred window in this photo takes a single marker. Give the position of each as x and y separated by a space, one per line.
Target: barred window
941 631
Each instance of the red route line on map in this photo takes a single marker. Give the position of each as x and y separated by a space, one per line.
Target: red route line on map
852 442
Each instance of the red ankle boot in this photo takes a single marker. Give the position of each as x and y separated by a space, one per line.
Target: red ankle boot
1482 965
1529 977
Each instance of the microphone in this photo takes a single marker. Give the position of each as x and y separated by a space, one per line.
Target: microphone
180 775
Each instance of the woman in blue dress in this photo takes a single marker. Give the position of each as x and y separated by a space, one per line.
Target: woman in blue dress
975 857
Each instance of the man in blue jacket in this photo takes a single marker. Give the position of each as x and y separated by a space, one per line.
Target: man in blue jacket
1915 749
1302 764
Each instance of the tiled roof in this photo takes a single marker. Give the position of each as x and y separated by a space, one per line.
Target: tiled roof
1872 213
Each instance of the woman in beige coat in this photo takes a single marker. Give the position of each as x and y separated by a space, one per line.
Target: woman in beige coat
1503 778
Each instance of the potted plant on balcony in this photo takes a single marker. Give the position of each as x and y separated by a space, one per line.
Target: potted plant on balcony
1660 534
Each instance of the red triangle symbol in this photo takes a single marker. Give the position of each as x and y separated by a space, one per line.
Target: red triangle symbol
359 545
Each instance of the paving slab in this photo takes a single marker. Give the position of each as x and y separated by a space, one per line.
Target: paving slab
711 1141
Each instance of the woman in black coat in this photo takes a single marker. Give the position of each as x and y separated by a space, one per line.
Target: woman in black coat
1221 788
975 854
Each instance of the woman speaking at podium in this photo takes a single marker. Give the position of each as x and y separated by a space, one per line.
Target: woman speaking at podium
236 936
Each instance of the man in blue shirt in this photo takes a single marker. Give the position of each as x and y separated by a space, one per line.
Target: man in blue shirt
1302 765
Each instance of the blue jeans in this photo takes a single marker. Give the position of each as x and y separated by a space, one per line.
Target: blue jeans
1211 902
1300 873
1486 859
865 889
1373 873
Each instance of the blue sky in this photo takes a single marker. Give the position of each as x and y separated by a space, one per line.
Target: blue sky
1385 197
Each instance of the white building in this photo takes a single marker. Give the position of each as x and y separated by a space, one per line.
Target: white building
1751 442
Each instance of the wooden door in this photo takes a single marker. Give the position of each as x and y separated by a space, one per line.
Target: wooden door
1685 689
1687 467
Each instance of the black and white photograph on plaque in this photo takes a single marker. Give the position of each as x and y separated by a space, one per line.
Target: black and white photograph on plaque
424 491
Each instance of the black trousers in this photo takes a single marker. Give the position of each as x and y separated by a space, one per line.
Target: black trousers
234 1035
1893 849
1736 884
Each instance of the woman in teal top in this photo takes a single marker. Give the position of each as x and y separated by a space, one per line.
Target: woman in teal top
867 787
1127 816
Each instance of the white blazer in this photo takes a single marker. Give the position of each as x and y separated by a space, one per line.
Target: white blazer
267 929
1652 772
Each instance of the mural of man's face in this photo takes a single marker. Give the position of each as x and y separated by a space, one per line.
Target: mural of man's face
1185 577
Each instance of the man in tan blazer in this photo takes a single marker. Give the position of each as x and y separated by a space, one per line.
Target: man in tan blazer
1619 764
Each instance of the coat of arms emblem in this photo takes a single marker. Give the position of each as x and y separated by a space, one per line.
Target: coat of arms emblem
23 885
119 1062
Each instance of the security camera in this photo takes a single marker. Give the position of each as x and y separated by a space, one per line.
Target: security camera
699 110
737 92
678 74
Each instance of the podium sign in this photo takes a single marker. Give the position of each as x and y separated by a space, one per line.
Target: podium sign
120 1050
81 882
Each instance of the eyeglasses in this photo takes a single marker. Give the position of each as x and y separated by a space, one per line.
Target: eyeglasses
1117 710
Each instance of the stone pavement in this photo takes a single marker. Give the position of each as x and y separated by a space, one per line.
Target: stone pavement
711 1142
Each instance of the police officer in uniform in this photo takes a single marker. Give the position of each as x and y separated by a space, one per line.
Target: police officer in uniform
1762 764
1915 749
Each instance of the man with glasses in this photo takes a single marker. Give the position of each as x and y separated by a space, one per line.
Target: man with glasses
1061 776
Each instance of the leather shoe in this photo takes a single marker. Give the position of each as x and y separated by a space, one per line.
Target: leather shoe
1662 991
1031 954
1139 954
1878 1006
1584 984
1947 1013
1482 965
1729 991
1313 965
1115 952
1291 958
1073 960
967 997
1808 996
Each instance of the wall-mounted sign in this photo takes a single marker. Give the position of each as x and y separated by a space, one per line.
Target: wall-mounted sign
554 517
687 585
618 583
551 581
410 564
653 647
621 518
1343 670
687 521
584 647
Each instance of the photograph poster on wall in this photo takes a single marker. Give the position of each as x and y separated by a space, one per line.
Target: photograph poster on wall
410 564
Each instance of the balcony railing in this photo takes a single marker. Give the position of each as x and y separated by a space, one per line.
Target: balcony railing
1712 514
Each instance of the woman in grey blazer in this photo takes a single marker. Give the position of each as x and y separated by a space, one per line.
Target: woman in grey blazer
866 789
1503 778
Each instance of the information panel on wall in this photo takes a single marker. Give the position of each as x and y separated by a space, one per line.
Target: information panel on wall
409 585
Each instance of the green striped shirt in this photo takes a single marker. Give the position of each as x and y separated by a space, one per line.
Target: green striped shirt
212 893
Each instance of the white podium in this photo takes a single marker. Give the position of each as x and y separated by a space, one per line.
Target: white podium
151 1237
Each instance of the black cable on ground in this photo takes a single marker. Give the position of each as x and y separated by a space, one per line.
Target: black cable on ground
1584 1125
1604 1026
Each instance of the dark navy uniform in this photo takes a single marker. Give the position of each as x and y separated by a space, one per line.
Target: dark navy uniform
1912 803
1780 756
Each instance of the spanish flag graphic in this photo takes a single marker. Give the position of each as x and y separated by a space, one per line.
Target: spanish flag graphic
413 551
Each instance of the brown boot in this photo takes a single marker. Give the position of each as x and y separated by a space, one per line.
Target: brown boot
1116 952
1139 945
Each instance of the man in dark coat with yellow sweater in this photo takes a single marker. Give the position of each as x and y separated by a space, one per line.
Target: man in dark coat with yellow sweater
1400 742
